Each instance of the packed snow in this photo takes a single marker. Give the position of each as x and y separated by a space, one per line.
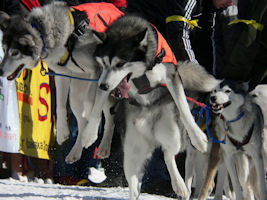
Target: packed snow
11 189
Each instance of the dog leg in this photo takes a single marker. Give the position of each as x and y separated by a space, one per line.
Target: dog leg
105 145
259 165
62 89
230 165
89 99
76 151
77 98
171 141
136 151
222 173
196 135
242 165
189 166
178 183
90 133
213 163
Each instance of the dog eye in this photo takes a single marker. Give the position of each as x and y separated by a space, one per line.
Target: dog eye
228 91
119 65
13 52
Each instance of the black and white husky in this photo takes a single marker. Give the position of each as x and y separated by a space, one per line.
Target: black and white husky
154 115
241 125
44 34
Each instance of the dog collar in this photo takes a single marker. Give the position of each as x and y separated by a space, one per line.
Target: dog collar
236 119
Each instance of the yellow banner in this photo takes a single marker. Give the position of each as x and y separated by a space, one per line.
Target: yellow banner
35 111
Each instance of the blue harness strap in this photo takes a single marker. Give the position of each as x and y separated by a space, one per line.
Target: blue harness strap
207 109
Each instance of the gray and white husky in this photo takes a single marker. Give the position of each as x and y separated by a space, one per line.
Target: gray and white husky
241 125
126 53
44 34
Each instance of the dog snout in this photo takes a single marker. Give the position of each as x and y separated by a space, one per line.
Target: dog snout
213 99
104 86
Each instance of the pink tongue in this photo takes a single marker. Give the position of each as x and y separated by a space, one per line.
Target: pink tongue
124 88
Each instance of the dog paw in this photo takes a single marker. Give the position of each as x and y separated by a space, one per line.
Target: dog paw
62 135
88 139
75 154
200 141
90 133
180 189
104 150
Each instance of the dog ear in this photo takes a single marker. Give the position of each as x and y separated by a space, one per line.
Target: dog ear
141 38
4 20
100 37
27 40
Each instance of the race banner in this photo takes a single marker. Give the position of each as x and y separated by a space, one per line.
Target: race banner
9 117
35 112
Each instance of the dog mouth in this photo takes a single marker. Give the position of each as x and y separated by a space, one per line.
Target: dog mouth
15 73
122 90
218 107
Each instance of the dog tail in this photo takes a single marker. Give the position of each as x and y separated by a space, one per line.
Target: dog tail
196 78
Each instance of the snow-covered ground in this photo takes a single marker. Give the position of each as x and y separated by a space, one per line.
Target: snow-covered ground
11 189
15 190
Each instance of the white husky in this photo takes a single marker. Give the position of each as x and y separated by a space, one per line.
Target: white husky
241 125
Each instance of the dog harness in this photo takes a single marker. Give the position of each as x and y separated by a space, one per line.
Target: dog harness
245 140
164 54
235 142
97 16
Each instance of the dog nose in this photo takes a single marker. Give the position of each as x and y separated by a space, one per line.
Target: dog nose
1 72
213 99
104 86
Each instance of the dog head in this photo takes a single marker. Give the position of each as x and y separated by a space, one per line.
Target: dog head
228 94
122 54
22 45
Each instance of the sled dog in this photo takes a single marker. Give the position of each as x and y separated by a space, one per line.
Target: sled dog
156 111
241 126
46 33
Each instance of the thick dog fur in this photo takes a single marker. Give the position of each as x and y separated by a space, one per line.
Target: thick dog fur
155 119
24 46
236 158
246 173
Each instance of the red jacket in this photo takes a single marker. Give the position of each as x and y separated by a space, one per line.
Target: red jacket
118 3
162 43
108 12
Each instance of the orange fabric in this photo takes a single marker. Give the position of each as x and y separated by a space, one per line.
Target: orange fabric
107 11
162 43
118 3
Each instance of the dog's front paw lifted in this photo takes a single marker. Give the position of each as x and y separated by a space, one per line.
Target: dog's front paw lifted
199 141
75 153
104 149
62 135
89 134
